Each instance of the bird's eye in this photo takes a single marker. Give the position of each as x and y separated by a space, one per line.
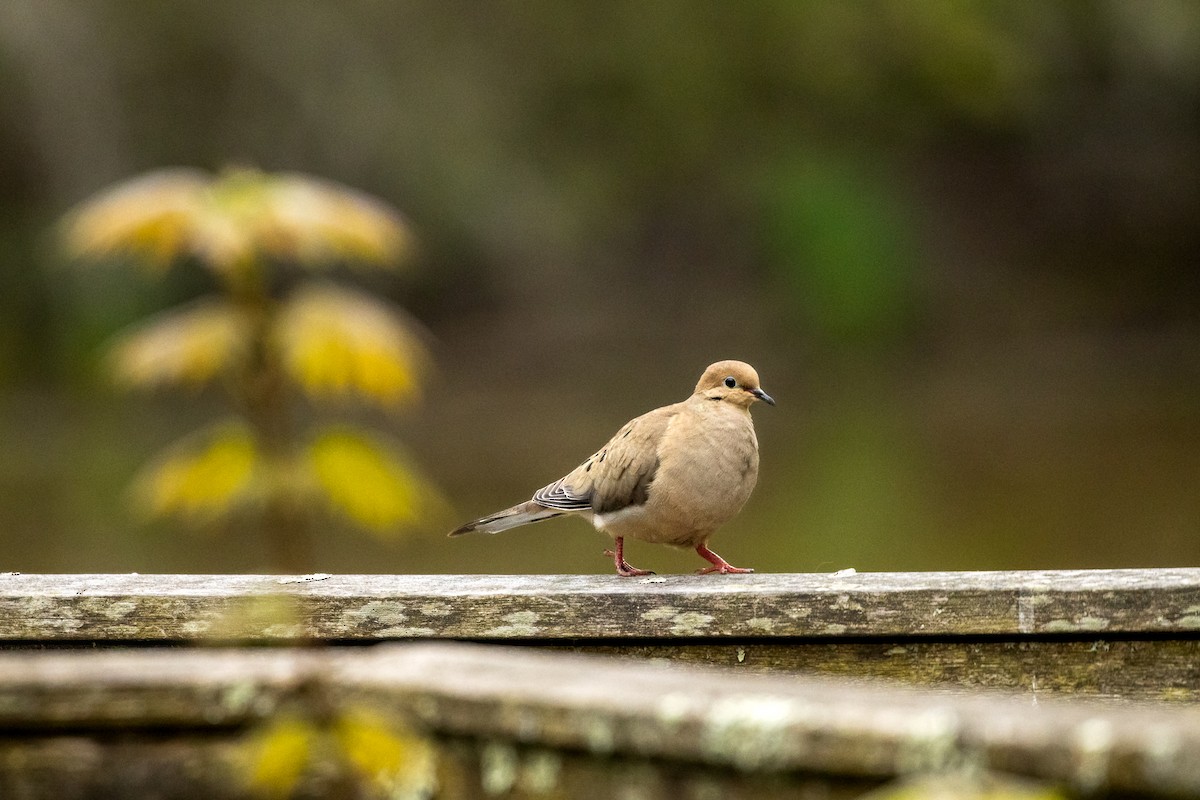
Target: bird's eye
730 382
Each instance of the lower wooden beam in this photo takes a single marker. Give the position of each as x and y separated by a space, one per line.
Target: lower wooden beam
1165 670
522 715
215 768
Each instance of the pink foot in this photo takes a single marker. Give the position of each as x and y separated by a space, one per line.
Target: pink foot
718 564
623 567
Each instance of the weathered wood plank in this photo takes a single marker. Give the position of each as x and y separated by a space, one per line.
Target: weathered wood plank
172 608
1157 670
607 708
213 767
85 767
768 723
150 689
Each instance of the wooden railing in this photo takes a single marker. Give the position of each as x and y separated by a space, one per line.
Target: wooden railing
778 697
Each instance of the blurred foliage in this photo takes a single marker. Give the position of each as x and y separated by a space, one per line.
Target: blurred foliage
204 477
191 345
335 342
529 135
261 342
989 206
842 243
352 750
252 616
363 482
234 222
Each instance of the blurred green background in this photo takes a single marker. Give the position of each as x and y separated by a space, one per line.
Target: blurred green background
957 239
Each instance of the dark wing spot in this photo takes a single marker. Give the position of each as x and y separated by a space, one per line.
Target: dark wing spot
602 456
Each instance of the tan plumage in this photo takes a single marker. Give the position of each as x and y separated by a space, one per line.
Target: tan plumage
671 476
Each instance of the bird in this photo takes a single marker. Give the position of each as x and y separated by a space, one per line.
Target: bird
671 476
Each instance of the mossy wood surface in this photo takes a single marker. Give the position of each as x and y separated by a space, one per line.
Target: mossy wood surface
500 715
173 608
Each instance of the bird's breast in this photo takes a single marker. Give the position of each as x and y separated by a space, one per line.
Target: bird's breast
708 467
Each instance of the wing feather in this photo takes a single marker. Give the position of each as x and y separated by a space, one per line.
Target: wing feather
556 495
617 475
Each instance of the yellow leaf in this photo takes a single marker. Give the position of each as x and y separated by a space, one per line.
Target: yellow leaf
314 222
190 346
231 220
335 342
280 754
149 217
385 754
204 476
363 481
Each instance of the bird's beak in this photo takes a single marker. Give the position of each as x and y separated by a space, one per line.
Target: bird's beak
761 395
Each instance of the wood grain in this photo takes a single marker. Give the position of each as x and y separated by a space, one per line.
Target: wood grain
174 608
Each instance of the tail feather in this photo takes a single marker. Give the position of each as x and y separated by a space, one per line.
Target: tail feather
520 514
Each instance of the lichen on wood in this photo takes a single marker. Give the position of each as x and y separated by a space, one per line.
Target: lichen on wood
147 608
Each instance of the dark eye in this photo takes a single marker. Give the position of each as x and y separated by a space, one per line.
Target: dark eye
730 382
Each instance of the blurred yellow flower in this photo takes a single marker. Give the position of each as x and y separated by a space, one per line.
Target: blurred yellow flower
363 481
204 476
335 342
230 220
190 346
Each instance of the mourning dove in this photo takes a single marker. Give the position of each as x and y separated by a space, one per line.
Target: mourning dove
671 476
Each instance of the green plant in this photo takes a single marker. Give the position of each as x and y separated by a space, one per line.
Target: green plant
274 343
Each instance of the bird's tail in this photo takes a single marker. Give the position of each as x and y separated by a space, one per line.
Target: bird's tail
520 514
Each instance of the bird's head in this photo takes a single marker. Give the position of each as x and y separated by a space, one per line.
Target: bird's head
733 382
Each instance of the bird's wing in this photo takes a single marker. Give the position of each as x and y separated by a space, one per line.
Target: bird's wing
617 475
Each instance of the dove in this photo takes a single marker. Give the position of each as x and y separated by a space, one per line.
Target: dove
671 476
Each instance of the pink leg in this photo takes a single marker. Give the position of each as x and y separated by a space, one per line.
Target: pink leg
623 568
718 564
